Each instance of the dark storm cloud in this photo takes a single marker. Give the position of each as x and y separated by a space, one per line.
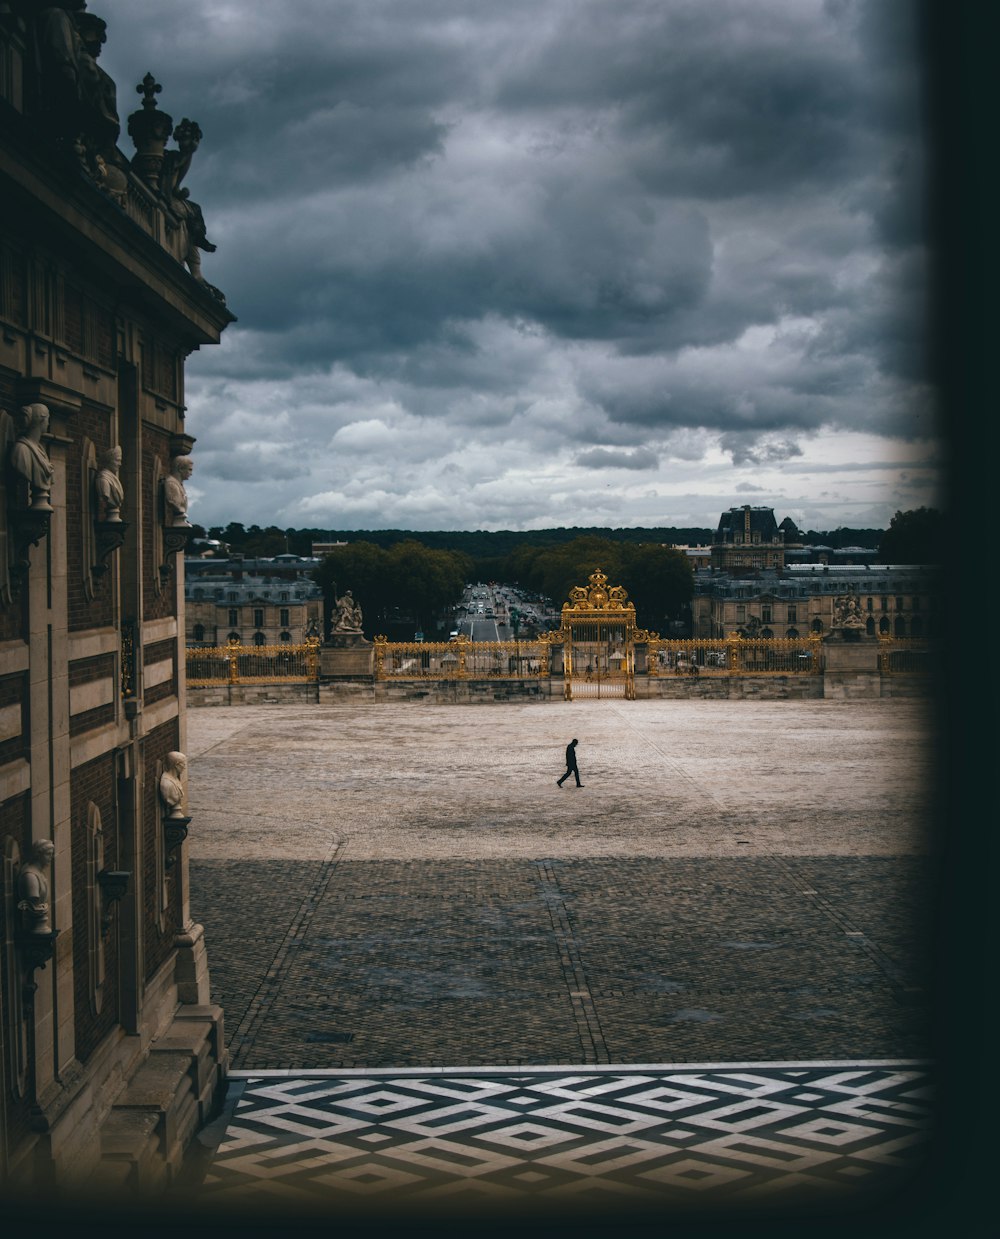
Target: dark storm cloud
605 233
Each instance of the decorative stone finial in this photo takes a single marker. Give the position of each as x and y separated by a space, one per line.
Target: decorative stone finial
149 129
149 88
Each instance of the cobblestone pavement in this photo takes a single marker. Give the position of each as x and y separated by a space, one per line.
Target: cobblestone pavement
407 886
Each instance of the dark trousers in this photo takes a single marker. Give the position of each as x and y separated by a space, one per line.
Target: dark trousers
570 770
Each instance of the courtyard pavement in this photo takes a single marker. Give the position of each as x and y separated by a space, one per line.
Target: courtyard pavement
706 969
407 886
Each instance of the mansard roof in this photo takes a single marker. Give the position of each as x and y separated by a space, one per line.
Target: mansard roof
735 520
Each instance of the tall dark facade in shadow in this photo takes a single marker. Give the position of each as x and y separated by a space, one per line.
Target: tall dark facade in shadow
112 1055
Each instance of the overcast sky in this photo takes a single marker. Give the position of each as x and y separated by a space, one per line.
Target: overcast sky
551 262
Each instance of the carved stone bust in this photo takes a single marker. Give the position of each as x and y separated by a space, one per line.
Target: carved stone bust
172 785
33 888
107 485
29 458
175 500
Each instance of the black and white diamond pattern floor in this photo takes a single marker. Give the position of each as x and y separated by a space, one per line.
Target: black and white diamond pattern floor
732 1133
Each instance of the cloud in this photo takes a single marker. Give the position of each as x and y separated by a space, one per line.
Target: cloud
601 458
474 249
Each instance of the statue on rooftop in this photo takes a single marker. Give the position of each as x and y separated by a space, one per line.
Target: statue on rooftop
175 167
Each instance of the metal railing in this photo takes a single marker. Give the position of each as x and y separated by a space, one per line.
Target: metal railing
463 659
902 654
734 655
460 659
253 664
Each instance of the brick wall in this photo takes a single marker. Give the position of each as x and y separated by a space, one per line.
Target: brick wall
161 651
14 692
84 671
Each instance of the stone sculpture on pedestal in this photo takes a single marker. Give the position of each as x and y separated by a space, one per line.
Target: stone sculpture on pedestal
33 888
174 495
107 485
171 784
29 458
348 618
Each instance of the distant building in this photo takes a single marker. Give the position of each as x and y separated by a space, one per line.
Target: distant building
319 549
895 600
275 603
698 556
760 584
748 538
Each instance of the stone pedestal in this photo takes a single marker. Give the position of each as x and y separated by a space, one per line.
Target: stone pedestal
848 653
851 665
346 657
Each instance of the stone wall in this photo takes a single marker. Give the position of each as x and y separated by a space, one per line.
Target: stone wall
254 695
832 685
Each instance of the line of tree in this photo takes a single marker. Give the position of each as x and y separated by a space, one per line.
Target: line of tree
914 537
495 545
400 590
480 544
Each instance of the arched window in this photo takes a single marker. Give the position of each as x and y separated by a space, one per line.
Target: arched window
286 636
766 633
817 625
883 625
259 638
235 636
792 634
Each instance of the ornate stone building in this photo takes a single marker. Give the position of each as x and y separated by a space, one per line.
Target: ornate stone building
759 586
748 538
112 1055
260 602
892 600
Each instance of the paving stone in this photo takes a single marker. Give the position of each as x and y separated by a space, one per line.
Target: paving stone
401 886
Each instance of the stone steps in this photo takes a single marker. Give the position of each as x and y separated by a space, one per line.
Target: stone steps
169 1099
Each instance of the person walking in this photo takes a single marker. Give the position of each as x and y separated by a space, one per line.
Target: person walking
571 766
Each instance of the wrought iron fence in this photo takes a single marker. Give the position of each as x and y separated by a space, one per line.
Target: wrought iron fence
902 654
463 659
252 664
460 659
734 656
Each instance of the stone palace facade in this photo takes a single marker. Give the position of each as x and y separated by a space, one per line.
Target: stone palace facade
112 1055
